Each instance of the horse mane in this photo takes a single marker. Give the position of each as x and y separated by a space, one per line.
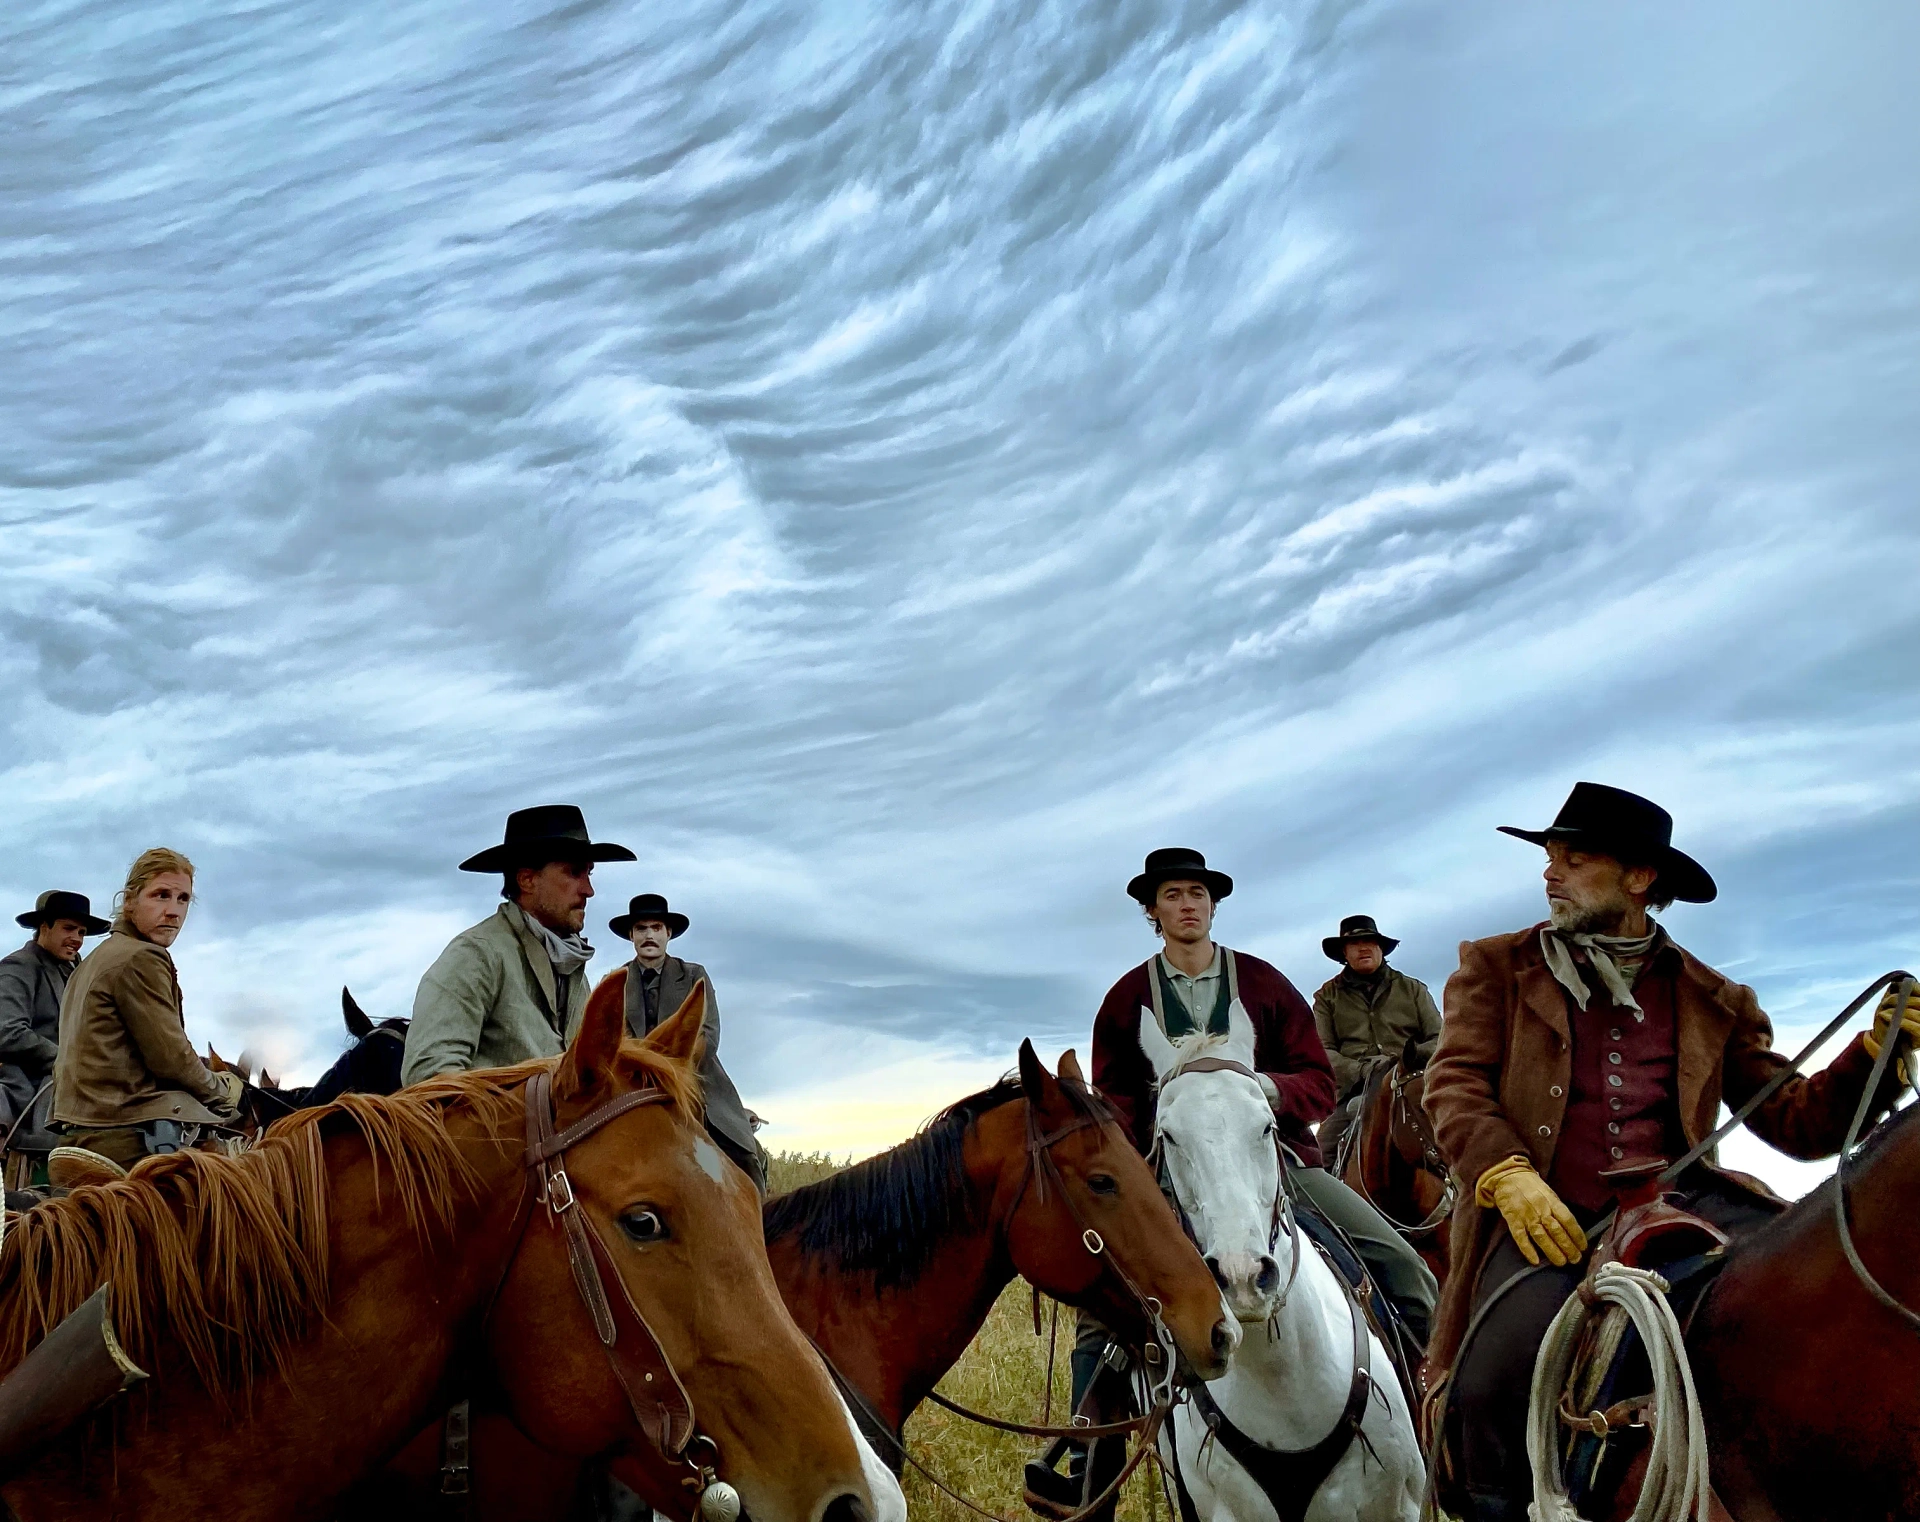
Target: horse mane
890 1214
228 1255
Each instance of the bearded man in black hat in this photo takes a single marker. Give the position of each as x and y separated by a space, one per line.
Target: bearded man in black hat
32 981
1365 1014
1578 1047
512 987
657 985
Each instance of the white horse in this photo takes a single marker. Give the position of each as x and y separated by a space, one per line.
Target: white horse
1292 1380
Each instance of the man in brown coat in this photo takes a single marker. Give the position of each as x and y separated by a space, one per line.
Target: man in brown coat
1587 1043
127 1081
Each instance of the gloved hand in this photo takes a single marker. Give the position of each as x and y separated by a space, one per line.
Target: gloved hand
1537 1217
233 1092
1883 1019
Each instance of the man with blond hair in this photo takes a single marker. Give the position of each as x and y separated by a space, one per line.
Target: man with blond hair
127 1082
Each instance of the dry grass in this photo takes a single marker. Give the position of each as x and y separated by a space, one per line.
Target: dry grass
1002 1374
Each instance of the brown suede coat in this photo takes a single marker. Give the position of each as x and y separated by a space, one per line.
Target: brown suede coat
1498 1082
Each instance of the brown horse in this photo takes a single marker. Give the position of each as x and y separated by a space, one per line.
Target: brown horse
892 1266
304 1307
1807 1380
1390 1159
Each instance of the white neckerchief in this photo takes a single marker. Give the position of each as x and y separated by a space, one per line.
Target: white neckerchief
567 953
1616 959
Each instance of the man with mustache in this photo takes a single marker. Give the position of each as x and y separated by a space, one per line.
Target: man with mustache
1578 1046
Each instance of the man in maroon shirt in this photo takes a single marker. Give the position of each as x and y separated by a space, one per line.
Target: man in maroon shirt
1188 986
1572 1048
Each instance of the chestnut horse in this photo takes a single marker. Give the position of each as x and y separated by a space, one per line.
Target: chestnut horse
892 1266
1391 1159
304 1306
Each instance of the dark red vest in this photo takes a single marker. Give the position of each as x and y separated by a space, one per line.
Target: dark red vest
1623 1105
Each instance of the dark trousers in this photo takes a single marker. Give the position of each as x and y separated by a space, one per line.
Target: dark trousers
1493 1377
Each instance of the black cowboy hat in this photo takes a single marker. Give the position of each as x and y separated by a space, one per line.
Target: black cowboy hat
551 832
1356 927
1177 864
648 906
56 904
1610 821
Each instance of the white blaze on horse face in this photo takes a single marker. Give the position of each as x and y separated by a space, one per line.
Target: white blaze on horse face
883 1486
1217 1135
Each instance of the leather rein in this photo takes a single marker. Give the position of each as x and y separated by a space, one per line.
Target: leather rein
1430 1160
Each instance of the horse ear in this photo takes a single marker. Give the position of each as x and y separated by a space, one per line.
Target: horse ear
358 1025
1070 1068
1161 1053
1035 1081
682 1036
1241 1039
589 1059
214 1061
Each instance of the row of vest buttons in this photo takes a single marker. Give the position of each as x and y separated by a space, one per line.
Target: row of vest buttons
1614 1081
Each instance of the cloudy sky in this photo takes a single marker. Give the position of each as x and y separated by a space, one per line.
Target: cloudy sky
895 464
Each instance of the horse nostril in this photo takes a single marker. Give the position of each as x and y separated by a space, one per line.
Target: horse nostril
1267 1279
1213 1267
1222 1340
846 1507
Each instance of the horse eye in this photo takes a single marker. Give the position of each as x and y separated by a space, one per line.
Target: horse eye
643 1225
1102 1183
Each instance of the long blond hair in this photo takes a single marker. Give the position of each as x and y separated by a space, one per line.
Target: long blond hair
146 867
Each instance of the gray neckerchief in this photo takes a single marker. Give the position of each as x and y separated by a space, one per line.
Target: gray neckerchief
567 953
1617 959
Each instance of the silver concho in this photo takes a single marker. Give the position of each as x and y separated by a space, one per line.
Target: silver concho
719 1502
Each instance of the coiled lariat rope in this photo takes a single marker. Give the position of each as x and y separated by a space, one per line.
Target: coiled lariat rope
1676 1486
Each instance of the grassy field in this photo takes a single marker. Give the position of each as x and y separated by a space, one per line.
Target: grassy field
1003 1374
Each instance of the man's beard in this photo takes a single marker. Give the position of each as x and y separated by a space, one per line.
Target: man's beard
1601 916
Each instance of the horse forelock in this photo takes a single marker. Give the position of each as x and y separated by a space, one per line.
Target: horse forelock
889 1214
1191 1048
228 1256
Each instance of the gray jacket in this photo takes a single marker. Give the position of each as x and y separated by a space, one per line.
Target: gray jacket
31 983
491 1000
726 1115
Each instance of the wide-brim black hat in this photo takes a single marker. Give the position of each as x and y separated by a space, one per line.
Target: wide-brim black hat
648 906
1357 927
1177 864
57 904
536 836
1610 821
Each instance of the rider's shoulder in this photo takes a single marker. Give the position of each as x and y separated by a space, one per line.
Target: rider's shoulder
1512 948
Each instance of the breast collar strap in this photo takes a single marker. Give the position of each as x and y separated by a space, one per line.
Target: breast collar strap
1292 1477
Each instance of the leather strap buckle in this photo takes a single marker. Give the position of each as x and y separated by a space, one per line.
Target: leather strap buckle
559 1192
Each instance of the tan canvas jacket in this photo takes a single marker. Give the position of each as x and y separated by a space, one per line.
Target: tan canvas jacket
124 1054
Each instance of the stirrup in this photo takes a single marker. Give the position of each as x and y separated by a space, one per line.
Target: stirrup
76 1167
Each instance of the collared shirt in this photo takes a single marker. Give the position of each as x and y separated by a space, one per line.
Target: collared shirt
1198 994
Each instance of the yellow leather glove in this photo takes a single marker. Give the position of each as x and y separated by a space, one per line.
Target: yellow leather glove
233 1092
1883 1019
1537 1217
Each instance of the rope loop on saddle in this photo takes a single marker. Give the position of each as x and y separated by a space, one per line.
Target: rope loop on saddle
1677 1485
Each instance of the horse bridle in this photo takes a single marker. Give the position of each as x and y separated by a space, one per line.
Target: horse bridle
1282 1198
1430 1160
1041 1171
659 1401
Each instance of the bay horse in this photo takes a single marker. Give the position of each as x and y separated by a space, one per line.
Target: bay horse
1310 1424
892 1265
305 1305
1391 1159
